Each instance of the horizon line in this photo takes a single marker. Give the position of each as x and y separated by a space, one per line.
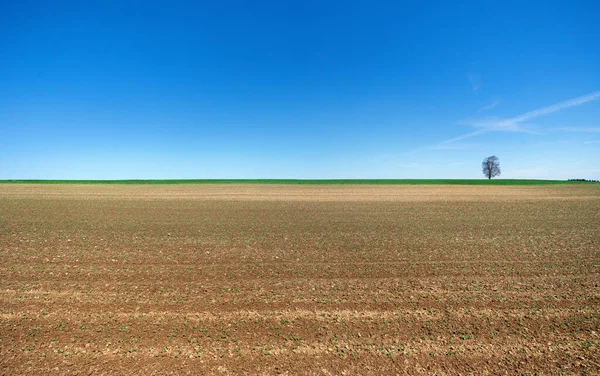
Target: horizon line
375 181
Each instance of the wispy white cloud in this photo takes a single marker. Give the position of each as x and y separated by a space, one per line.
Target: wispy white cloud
475 81
462 137
556 107
452 146
592 142
515 124
489 106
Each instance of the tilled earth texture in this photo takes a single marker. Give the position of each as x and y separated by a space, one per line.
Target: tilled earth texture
299 280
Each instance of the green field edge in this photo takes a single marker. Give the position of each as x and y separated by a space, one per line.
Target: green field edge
311 181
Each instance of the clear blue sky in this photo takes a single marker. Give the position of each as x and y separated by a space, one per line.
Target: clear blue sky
299 89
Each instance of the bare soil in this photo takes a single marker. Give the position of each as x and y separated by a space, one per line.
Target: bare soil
299 280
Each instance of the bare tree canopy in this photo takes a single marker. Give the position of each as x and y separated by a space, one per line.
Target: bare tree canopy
491 167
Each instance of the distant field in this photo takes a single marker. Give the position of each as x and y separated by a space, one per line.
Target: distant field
263 279
310 181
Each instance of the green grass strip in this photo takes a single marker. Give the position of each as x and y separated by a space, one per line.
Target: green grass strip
311 181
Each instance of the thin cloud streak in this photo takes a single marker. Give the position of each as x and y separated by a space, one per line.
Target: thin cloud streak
556 107
489 106
513 124
451 146
464 136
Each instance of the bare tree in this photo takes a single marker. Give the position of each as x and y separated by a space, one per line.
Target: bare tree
491 167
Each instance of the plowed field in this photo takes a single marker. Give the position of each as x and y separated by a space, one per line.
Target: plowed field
269 279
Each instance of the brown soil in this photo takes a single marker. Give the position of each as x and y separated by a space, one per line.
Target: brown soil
299 280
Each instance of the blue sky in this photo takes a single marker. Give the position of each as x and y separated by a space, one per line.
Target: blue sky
298 89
